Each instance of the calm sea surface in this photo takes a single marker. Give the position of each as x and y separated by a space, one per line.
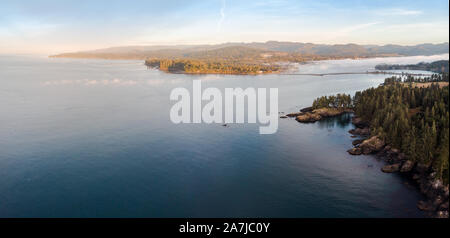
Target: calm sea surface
93 138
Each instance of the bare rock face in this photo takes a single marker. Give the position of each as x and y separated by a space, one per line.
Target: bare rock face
391 168
437 184
358 122
294 114
436 194
355 151
308 117
407 166
328 112
371 145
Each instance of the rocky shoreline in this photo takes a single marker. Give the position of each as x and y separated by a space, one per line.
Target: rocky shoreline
436 193
436 204
310 115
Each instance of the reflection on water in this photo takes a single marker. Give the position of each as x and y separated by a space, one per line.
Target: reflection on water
92 138
341 121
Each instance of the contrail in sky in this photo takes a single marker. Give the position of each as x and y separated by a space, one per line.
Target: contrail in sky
222 15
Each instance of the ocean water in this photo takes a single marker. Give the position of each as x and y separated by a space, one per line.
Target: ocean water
93 138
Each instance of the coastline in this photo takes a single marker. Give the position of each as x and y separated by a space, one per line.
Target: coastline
282 71
422 175
426 181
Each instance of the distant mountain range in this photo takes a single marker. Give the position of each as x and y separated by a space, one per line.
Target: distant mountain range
268 51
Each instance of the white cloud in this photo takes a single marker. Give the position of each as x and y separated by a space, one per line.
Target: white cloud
398 12
412 26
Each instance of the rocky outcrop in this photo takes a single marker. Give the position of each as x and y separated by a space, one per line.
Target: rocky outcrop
436 203
437 195
359 123
330 112
362 127
294 114
407 166
391 168
392 155
371 145
355 151
434 190
307 115
368 146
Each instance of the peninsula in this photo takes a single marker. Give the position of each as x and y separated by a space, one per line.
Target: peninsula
405 124
248 58
440 66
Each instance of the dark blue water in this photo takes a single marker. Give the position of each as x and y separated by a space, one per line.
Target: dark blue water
92 138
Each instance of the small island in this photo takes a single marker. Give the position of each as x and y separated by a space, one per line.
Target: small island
324 107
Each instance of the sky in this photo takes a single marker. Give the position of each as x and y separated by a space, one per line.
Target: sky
56 26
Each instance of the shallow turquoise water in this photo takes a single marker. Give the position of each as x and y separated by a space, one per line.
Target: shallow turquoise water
92 138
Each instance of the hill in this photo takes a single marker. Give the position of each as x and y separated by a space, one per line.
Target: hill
247 58
440 66
285 49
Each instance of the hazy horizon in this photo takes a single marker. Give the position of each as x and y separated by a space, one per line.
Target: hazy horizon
174 45
48 27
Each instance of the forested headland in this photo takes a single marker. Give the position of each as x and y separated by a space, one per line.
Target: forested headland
406 121
210 67
412 119
440 66
249 58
